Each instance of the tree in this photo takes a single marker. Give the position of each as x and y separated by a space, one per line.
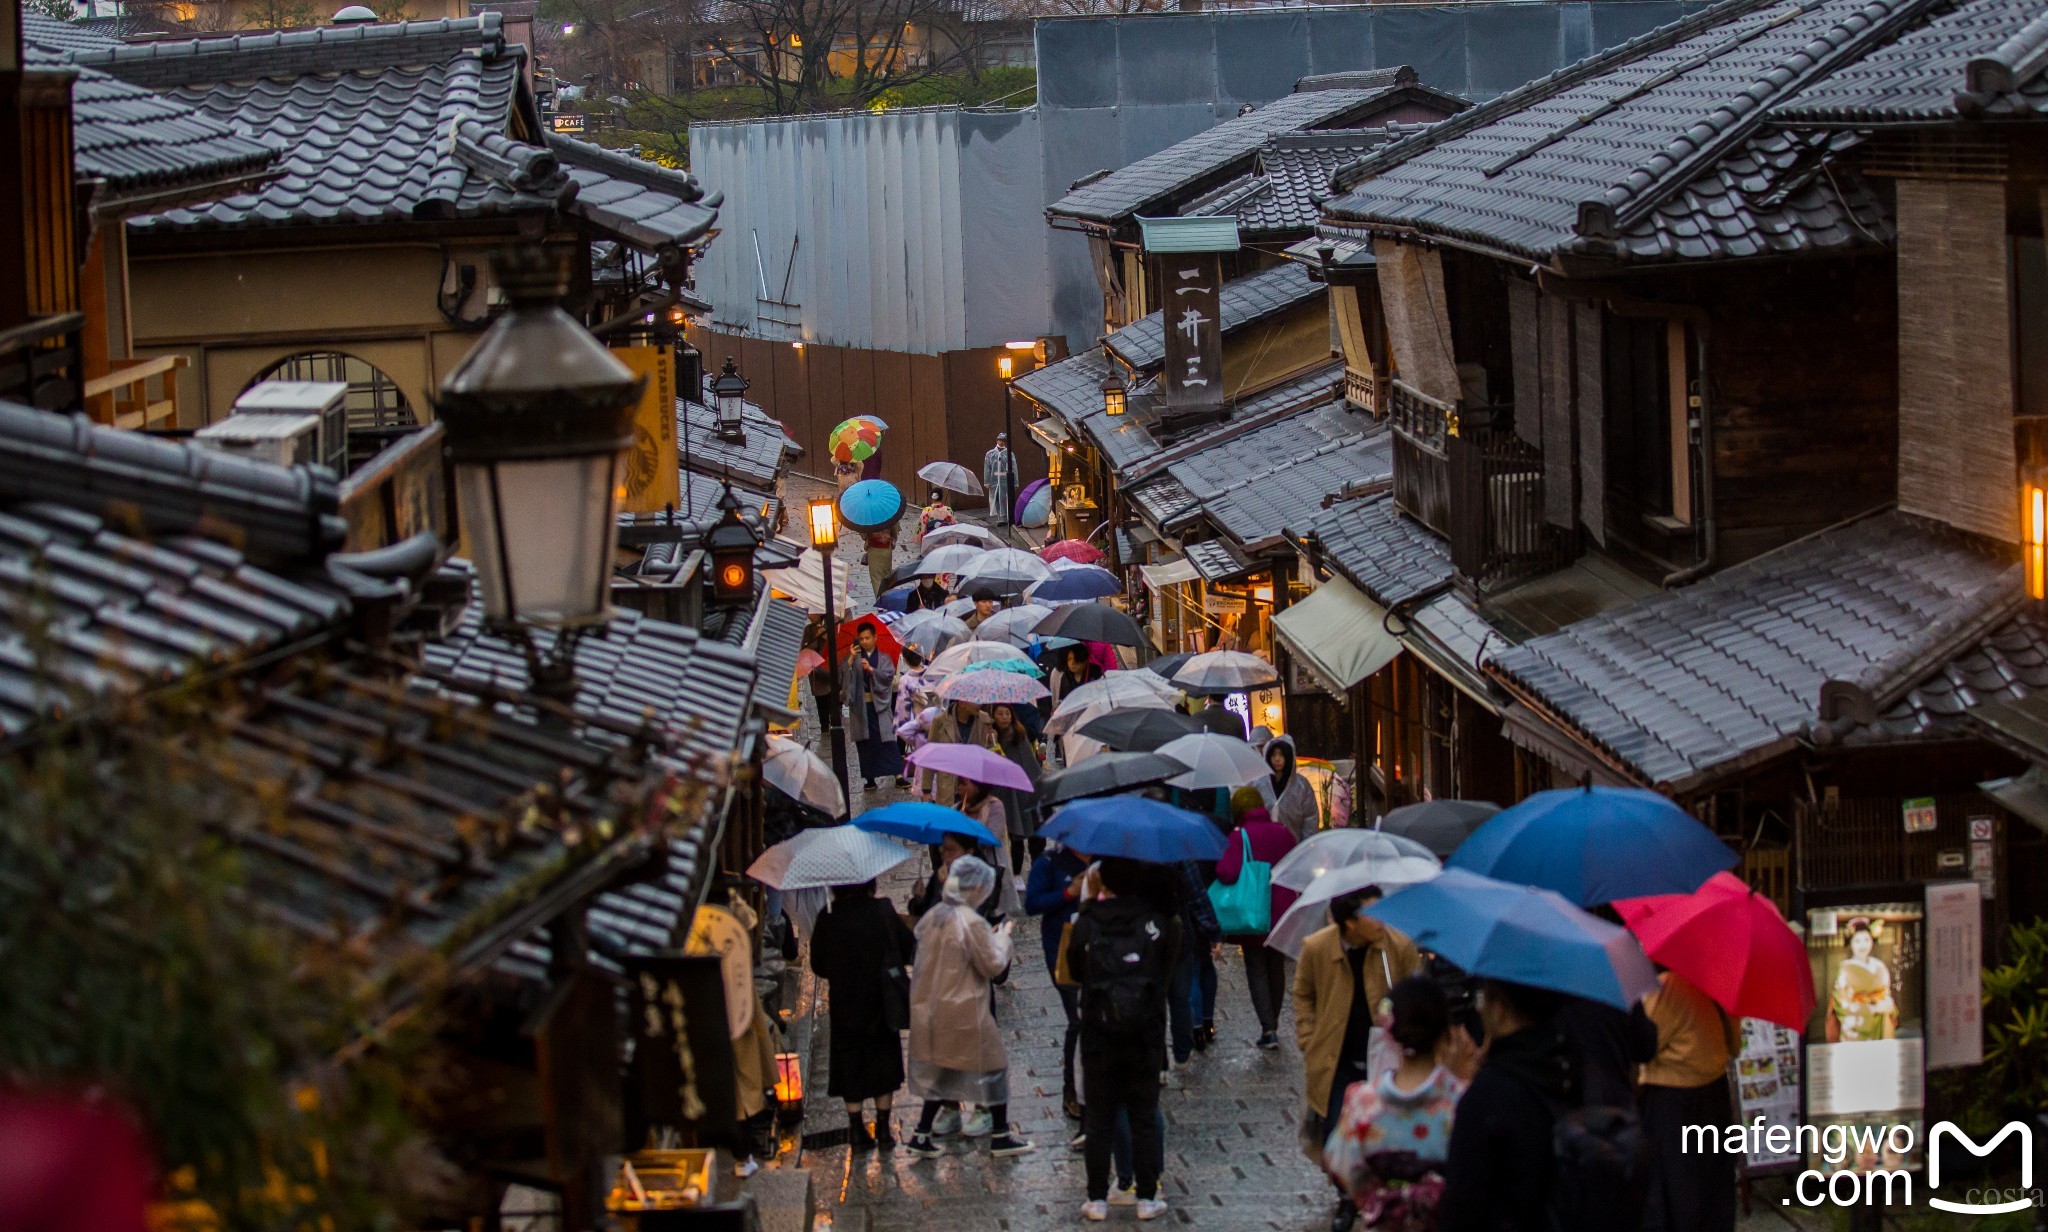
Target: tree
55 10
826 55
278 15
136 969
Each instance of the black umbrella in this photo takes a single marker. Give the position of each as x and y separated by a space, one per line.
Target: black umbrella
1105 773
1144 729
901 575
1439 825
1092 622
1167 665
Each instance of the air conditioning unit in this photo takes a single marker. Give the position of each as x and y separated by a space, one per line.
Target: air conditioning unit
286 440
325 400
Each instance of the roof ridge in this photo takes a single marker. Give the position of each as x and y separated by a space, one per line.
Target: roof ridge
342 48
622 166
1544 87
2016 60
1626 203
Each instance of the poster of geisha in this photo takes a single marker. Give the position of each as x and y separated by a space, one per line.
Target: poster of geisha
1865 1060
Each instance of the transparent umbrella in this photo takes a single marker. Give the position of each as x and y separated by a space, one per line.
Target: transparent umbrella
1319 853
1312 910
802 775
951 476
962 532
1225 669
828 856
977 651
1013 625
929 631
949 558
1215 761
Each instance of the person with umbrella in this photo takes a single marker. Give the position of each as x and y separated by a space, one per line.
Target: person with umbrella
1341 986
956 723
1020 807
1259 840
979 801
1686 1083
880 544
1213 717
952 846
929 593
999 480
1294 800
1075 669
985 602
956 1049
861 947
1503 1161
1053 893
867 680
935 514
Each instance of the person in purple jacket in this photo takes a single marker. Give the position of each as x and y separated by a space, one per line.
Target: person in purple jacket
1265 968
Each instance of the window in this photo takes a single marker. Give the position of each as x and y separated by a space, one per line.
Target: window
1647 381
377 410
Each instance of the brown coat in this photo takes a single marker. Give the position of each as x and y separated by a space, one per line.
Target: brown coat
951 1025
946 729
1322 1000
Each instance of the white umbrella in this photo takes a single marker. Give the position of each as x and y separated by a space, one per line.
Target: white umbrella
1114 690
804 582
1214 760
958 609
1311 911
1005 567
1225 669
1319 853
950 558
800 774
951 476
1013 625
957 533
960 656
828 856
930 631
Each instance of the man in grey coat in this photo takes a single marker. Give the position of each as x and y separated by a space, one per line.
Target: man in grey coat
867 681
999 480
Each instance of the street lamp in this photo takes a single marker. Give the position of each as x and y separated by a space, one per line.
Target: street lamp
824 514
1114 395
729 393
2034 529
1000 512
731 546
538 418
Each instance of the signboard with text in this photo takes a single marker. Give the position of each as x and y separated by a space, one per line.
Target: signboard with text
653 465
1865 1048
1766 1076
1192 284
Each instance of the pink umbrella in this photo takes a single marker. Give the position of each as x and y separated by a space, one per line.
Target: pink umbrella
992 688
1072 549
971 761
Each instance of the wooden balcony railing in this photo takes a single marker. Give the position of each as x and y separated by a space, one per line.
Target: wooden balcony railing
1499 535
138 393
42 363
1364 390
1422 426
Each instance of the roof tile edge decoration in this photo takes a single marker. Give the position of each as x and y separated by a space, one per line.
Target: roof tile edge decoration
329 49
1982 59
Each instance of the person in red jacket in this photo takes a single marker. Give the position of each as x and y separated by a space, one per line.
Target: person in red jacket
1265 968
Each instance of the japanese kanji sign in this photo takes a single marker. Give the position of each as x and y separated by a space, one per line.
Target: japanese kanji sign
1194 331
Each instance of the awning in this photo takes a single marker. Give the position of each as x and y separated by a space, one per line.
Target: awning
1172 573
1051 433
1338 634
2026 795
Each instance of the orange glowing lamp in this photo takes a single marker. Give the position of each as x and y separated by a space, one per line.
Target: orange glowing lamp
2034 530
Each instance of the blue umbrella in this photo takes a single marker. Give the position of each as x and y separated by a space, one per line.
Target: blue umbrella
1521 934
1025 497
1135 827
1595 845
870 504
924 823
895 599
1036 509
1082 582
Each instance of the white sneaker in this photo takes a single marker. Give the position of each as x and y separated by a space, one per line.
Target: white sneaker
948 1122
1095 1212
1123 1196
979 1124
744 1168
1151 1208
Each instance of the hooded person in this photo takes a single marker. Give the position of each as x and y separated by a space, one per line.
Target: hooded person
1294 800
1503 1158
956 1049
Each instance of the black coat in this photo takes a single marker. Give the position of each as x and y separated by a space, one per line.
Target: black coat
1501 1161
1609 1045
853 945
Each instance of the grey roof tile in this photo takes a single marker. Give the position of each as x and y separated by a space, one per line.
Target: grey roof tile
1164 502
1243 301
1282 195
758 460
1273 479
1678 683
1924 75
1385 553
1642 152
650 206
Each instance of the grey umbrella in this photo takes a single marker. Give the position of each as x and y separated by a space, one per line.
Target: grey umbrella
1439 825
1105 773
1141 730
1092 622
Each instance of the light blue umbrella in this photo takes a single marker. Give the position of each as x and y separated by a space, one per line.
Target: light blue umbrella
1521 934
1135 827
1596 845
1036 510
1020 665
924 823
870 504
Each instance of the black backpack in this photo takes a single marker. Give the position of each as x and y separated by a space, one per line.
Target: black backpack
1124 975
1603 1168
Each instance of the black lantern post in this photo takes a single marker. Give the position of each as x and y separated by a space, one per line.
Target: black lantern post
729 393
731 546
538 418
824 526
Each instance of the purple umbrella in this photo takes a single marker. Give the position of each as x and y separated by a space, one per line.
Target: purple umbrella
1024 498
971 761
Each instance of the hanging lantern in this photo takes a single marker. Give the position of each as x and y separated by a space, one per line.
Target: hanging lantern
731 546
1113 395
539 416
729 394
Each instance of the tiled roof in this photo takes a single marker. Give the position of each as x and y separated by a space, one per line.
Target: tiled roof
1244 301
379 123
1256 485
636 671
1384 552
1135 455
1216 560
1164 501
2010 664
1677 684
1650 151
1283 193
759 459
776 641
129 137
650 206
1148 184
1070 388
1980 59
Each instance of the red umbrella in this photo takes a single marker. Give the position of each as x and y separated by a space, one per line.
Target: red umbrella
1731 942
1078 550
885 641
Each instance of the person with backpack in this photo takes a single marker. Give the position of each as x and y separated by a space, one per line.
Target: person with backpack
1394 1132
1341 997
1525 1157
861 947
1053 893
956 1050
1126 948
1252 849
1192 993
1686 1083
